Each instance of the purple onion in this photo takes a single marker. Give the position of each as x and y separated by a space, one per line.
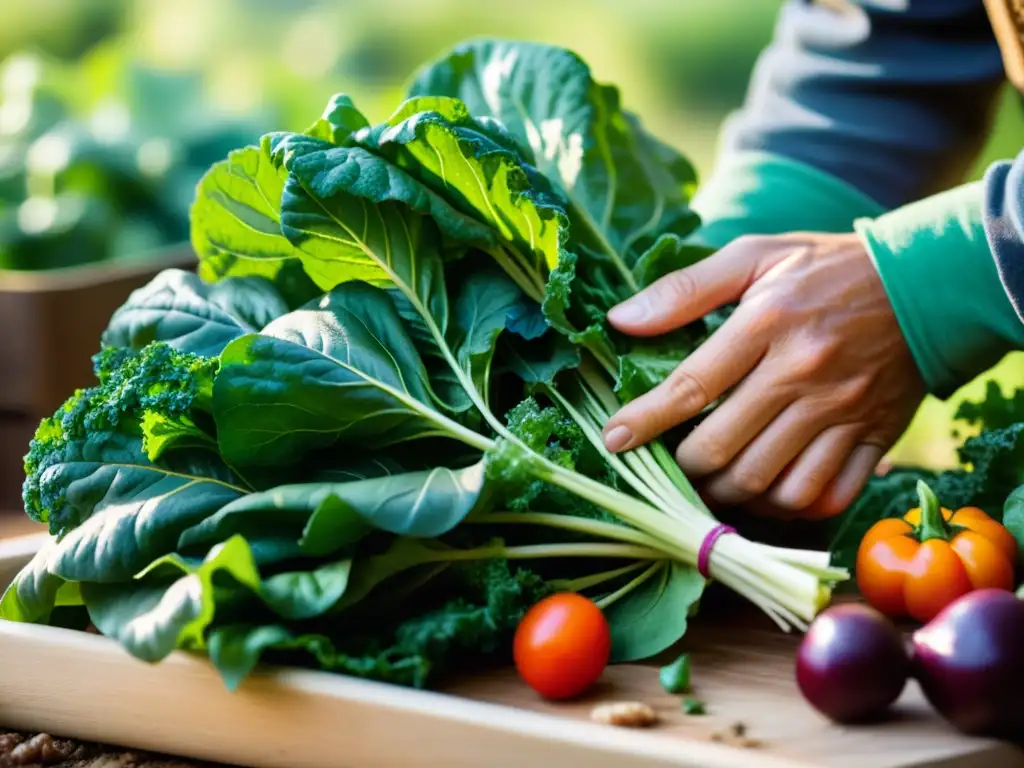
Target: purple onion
969 661
852 664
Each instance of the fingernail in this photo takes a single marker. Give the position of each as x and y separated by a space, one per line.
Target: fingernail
618 438
628 312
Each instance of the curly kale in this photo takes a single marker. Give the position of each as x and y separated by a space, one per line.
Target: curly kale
484 602
153 394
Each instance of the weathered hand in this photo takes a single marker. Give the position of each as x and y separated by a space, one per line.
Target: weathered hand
818 377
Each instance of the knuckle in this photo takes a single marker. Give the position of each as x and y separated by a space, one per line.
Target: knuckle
802 496
811 359
749 480
744 242
677 288
855 391
769 312
686 391
703 457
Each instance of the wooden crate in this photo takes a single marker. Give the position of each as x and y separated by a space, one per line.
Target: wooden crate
50 326
84 686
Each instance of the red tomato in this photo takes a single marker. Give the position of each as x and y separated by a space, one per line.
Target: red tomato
562 645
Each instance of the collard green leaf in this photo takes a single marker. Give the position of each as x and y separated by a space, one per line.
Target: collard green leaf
152 616
355 216
32 595
344 370
1013 519
442 145
369 572
339 120
133 510
298 595
653 616
178 308
669 253
419 504
622 186
236 224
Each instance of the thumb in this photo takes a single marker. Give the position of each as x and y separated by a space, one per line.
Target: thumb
686 295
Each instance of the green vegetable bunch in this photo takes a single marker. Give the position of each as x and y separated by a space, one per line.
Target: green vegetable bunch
319 447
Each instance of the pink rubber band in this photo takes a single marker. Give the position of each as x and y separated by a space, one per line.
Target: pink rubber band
704 554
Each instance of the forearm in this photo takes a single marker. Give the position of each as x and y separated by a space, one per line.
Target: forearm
851 114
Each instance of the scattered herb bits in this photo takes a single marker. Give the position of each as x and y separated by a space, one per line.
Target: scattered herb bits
692 706
675 678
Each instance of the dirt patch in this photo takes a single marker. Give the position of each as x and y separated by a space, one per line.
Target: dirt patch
25 750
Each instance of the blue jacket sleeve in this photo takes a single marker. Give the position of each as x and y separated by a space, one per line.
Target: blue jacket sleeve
859 107
1003 217
893 98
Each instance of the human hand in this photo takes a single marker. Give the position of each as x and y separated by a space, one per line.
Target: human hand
820 380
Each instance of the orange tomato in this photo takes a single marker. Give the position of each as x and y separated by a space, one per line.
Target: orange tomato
917 564
562 645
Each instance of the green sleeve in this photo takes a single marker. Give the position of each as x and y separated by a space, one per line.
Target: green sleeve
932 255
937 268
756 193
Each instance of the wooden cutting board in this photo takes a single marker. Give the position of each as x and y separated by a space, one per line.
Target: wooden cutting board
743 672
75 685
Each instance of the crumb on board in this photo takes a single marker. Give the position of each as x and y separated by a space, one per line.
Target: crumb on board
736 736
626 714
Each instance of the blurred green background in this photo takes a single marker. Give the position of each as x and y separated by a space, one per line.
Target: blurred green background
110 109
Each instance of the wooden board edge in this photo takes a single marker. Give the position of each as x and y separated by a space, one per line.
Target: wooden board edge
87 687
178 255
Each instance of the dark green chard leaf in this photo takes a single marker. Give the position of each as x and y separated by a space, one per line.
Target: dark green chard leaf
653 615
236 224
152 616
344 370
178 308
541 360
649 361
484 301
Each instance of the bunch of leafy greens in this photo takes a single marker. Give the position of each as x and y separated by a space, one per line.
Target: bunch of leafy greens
991 476
319 449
